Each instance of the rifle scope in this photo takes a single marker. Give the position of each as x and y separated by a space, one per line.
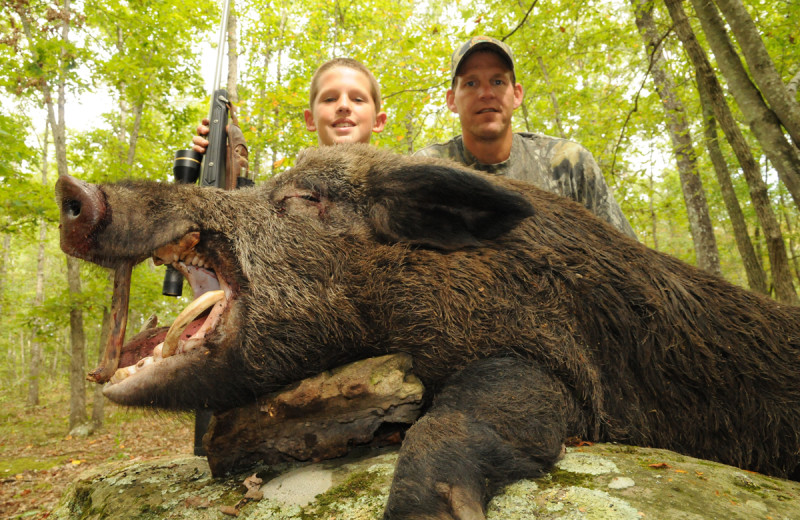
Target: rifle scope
185 170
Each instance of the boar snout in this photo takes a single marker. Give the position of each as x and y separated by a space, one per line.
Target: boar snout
83 213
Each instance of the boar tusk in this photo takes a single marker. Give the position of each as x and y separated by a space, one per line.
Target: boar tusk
125 372
188 315
119 320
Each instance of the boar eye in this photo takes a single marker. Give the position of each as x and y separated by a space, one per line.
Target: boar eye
311 206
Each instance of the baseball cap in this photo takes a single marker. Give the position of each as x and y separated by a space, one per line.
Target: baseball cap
477 43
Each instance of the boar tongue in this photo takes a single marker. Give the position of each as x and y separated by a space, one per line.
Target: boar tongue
119 320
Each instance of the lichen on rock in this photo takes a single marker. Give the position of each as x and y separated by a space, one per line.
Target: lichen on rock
666 486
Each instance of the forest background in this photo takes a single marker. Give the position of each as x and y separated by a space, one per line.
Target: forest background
690 109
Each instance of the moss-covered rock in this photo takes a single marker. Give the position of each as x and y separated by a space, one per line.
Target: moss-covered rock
604 481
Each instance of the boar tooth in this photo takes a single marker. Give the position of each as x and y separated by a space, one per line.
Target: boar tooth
122 374
149 360
183 320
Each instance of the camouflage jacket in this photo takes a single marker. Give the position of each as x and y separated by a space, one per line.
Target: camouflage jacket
555 165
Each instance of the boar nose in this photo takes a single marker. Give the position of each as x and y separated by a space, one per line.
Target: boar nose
83 207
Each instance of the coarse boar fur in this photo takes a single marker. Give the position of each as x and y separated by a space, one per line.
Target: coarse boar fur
528 319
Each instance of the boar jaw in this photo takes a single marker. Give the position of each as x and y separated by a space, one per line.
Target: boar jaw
212 296
196 308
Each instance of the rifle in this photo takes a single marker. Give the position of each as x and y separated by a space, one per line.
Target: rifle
224 165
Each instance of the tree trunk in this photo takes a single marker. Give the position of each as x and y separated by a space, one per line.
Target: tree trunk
762 69
756 278
409 124
138 110
77 386
791 87
77 379
35 368
99 401
255 164
653 216
705 243
707 79
4 271
35 359
77 366
792 248
553 99
524 107
762 121
276 114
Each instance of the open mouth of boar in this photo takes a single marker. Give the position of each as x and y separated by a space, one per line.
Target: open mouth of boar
187 333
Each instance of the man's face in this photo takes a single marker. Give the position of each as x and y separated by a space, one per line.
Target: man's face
344 111
484 96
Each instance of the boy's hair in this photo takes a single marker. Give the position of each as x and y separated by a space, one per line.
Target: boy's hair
375 90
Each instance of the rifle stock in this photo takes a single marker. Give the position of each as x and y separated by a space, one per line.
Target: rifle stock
213 173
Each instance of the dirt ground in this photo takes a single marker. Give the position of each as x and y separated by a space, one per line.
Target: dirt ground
38 459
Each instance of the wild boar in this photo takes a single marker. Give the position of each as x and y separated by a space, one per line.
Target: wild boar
528 319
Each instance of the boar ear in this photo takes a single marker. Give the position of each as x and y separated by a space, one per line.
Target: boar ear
441 207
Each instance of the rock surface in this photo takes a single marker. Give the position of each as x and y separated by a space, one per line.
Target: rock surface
604 481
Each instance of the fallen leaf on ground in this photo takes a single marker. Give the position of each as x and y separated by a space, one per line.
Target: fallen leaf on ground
197 502
253 485
252 482
228 510
254 494
576 442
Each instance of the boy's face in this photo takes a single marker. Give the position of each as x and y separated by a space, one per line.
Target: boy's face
484 96
344 110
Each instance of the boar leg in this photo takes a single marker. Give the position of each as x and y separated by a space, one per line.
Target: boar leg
497 421
119 321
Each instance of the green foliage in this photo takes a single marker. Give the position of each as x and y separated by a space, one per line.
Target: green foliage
286 41
23 198
141 60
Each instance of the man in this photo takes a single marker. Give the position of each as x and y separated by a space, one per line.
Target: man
484 93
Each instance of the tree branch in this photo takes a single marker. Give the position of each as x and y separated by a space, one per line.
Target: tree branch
521 21
636 97
426 89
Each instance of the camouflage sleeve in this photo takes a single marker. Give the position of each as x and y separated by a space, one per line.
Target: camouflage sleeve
446 150
599 198
429 151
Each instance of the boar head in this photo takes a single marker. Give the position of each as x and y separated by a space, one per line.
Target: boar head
291 278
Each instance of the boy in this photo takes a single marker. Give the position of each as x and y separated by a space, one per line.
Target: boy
344 105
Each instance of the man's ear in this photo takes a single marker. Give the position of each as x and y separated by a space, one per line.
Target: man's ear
309 117
450 98
442 207
380 122
519 95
